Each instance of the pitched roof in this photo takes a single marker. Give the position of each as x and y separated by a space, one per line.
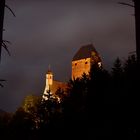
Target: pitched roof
84 52
49 72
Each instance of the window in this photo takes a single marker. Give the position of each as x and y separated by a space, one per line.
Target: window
86 62
99 64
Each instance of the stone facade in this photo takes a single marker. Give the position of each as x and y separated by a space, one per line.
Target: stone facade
83 60
80 66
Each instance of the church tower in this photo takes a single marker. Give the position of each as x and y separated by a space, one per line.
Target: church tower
49 84
83 60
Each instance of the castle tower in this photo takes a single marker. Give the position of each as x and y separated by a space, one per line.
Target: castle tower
49 84
82 61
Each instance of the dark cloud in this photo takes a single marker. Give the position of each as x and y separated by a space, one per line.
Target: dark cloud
50 32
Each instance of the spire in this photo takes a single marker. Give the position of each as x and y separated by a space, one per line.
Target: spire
49 69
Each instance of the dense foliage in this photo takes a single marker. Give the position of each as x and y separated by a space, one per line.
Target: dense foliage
102 104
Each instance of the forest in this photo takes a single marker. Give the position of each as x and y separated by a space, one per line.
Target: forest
98 105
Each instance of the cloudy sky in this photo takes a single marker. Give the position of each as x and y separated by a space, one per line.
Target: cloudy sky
50 32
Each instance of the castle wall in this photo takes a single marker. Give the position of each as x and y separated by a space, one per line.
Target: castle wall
80 66
57 85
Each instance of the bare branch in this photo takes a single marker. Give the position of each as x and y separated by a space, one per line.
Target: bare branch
1 85
10 10
1 80
6 41
123 3
6 48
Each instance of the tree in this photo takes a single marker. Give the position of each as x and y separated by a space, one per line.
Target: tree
60 94
3 43
5 119
117 78
2 8
21 125
137 25
117 69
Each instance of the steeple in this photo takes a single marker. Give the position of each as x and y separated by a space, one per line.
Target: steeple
49 83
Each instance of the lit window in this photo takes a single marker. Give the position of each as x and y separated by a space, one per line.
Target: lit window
86 62
99 64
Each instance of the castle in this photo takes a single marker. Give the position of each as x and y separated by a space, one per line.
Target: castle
82 61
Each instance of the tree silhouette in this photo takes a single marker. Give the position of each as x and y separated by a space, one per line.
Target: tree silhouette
2 8
3 43
117 69
5 119
104 103
137 25
100 104
21 125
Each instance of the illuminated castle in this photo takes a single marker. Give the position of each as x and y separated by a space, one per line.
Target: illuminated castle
82 62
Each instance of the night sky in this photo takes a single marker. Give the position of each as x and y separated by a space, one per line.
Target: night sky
50 32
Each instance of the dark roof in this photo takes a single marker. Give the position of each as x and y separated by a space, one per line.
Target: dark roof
84 52
49 72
